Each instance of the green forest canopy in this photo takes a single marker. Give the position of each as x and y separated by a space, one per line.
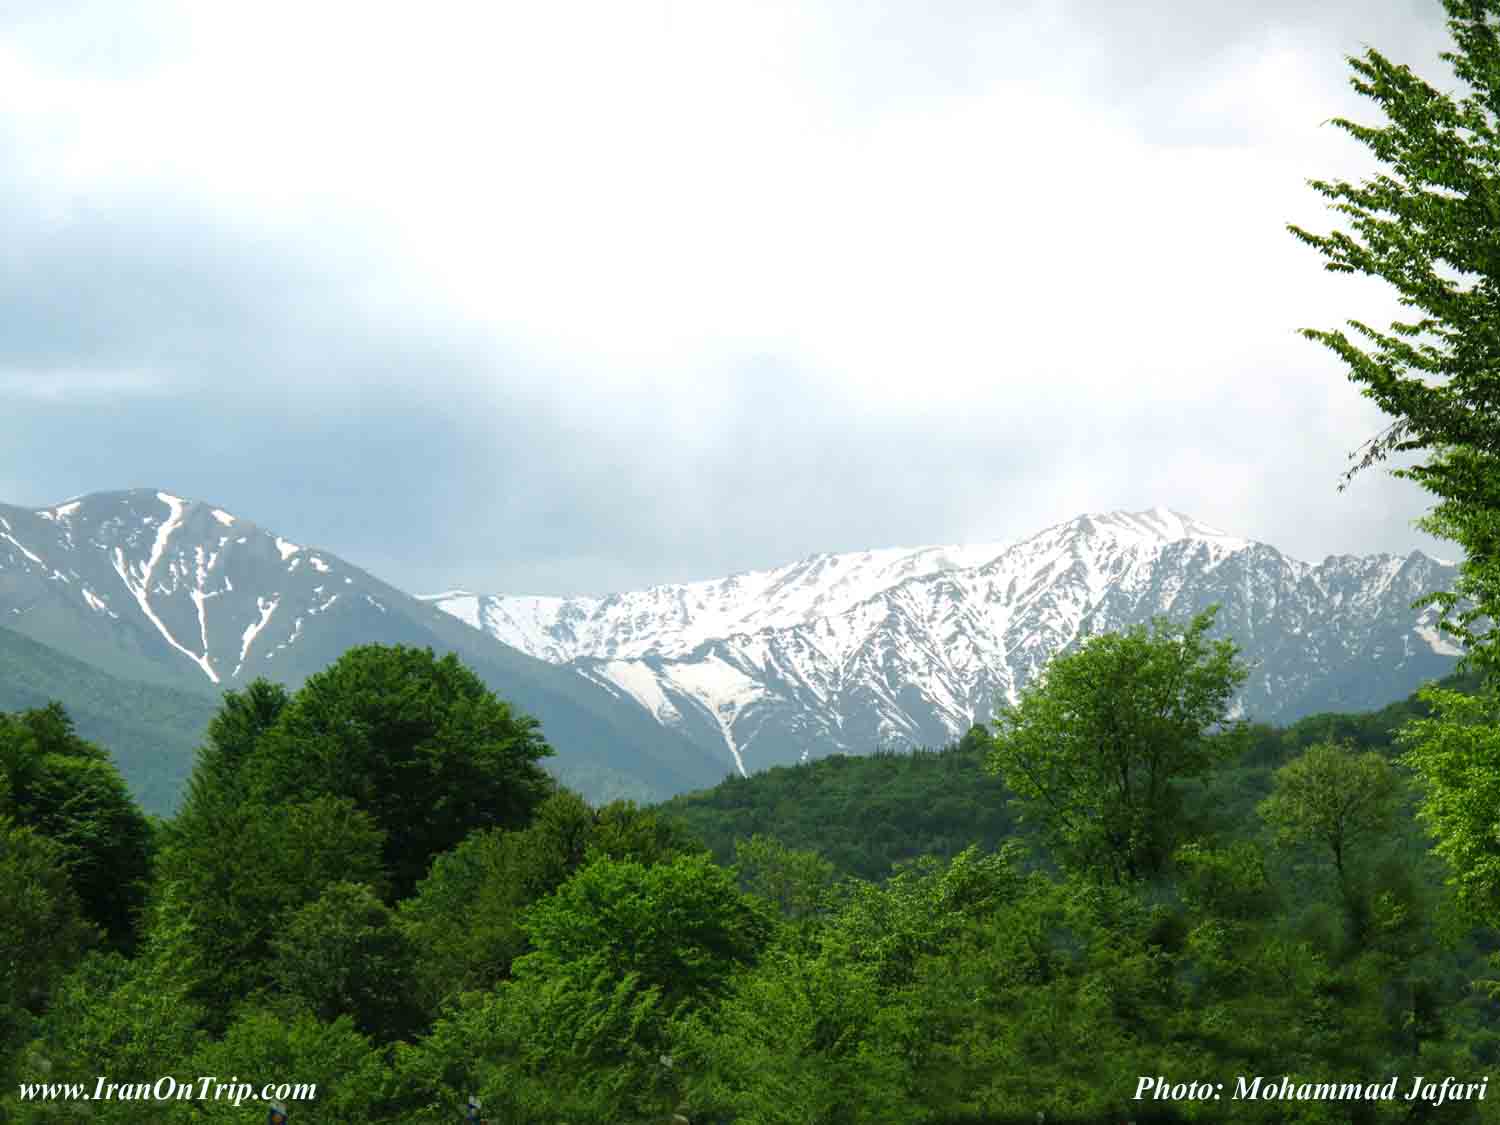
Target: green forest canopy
855 939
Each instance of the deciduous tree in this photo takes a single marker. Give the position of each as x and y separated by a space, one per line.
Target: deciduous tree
42 929
344 955
1456 756
1096 748
1334 798
415 741
1428 225
69 791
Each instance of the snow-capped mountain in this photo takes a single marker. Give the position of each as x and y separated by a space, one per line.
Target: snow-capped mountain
181 586
673 685
153 587
850 651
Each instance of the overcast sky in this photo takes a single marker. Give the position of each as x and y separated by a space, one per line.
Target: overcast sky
573 297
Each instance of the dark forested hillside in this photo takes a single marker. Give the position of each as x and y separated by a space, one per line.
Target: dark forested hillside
866 813
862 813
151 730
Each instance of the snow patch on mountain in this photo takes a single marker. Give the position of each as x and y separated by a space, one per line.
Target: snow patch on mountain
62 512
265 607
460 603
140 589
674 620
724 691
638 681
1440 644
97 603
914 644
14 542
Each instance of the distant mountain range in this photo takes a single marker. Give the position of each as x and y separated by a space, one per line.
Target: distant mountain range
654 692
148 587
845 652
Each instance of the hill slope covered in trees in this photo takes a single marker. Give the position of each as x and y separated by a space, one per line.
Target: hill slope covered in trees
866 813
153 731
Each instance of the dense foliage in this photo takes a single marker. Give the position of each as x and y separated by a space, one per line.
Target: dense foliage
1099 744
1428 226
66 789
863 814
860 939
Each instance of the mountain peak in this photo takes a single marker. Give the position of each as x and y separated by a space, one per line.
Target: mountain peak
147 585
1159 524
143 501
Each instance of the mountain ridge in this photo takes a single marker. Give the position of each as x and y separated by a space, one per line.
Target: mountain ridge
929 639
146 585
656 691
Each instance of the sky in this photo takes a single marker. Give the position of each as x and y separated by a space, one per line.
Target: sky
576 297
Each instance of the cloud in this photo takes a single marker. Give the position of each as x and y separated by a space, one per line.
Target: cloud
583 296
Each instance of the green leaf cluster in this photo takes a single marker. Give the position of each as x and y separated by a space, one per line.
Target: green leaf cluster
1097 747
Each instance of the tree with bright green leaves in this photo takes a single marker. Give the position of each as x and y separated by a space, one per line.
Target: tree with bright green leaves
1097 747
803 1037
1428 226
266 1047
889 1007
212 808
415 741
623 830
619 952
1343 805
465 916
679 927
134 1018
1455 754
1227 883
1334 799
69 791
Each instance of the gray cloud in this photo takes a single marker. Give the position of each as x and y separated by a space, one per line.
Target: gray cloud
711 293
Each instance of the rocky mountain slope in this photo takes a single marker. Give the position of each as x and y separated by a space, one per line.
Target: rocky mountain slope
156 588
846 652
